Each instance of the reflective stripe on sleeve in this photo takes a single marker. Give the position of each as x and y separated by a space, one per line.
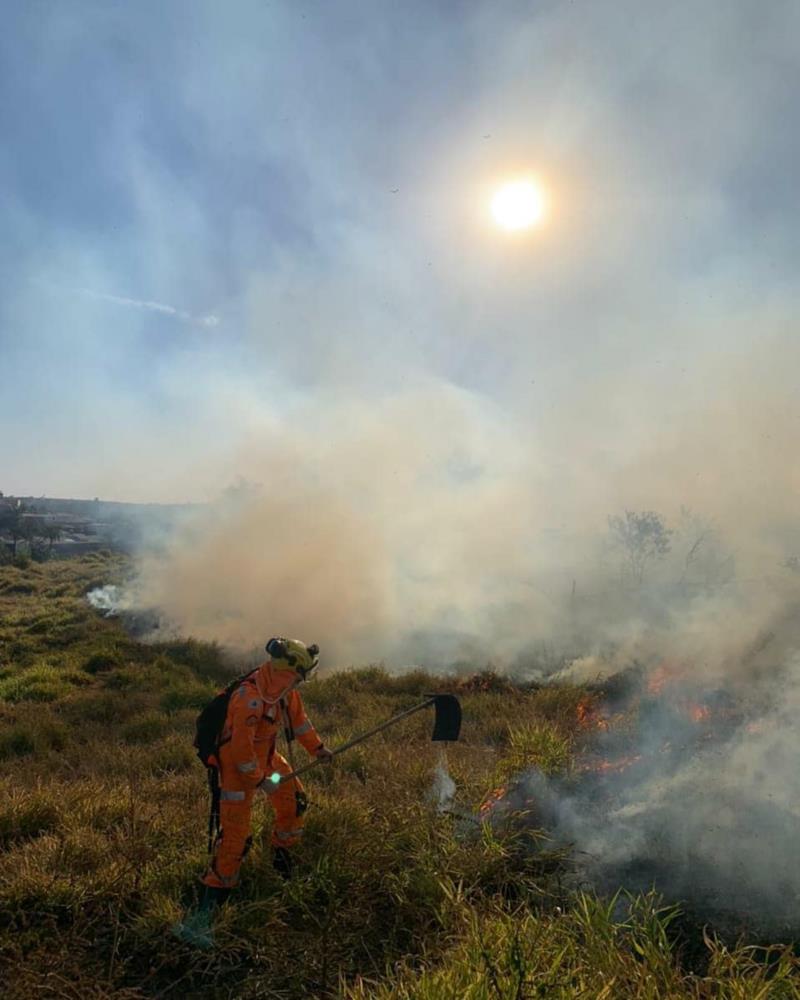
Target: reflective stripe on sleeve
248 767
227 795
304 727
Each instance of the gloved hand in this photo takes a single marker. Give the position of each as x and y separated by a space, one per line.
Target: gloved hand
324 754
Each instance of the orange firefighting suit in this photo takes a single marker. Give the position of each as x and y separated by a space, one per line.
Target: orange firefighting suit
263 703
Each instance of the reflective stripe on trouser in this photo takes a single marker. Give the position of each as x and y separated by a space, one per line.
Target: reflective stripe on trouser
233 842
288 826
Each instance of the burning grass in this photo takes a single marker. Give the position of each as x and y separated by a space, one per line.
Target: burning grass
103 811
674 784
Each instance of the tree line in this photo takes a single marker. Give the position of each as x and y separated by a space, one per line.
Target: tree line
22 523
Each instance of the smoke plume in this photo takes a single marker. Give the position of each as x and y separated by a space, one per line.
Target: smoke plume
430 423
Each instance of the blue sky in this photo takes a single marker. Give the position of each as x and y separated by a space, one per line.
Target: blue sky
303 184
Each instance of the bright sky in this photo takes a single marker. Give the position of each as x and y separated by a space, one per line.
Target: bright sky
222 220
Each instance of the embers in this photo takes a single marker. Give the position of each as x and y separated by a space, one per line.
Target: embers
615 766
492 800
591 714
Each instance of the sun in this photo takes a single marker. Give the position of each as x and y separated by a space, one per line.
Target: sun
518 205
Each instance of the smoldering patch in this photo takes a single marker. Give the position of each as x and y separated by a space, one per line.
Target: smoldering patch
688 788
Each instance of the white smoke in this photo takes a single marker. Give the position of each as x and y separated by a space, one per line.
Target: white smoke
109 599
443 792
708 812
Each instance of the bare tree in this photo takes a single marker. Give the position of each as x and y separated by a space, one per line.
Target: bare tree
643 538
707 561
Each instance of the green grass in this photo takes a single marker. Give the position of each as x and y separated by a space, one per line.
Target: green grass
44 681
534 744
580 954
103 811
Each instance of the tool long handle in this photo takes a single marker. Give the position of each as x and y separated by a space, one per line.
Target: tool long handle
353 742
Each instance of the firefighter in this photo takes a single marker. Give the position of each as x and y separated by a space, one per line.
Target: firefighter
266 701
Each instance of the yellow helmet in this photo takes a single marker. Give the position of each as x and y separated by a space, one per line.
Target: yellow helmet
292 654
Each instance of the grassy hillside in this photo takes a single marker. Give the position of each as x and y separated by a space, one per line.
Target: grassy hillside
103 810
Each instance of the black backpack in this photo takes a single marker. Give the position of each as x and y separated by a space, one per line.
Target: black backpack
207 732
210 722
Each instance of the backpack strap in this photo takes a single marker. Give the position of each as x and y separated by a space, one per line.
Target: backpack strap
288 730
229 690
213 815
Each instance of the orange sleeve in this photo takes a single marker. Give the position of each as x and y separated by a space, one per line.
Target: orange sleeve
306 734
244 712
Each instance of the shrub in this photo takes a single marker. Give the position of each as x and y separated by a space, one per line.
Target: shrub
146 728
16 742
174 756
486 681
158 675
101 662
186 696
415 682
24 816
18 588
537 744
130 678
203 659
105 707
51 735
41 625
559 704
42 682
32 736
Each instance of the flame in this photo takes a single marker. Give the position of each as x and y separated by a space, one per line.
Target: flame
665 673
589 715
491 800
485 682
612 766
697 712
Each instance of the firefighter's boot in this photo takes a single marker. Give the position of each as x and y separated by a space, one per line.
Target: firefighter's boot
283 863
198 927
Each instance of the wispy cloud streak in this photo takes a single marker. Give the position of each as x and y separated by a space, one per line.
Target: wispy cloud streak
160 307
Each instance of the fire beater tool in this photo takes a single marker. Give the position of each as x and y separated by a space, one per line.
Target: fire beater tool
446 728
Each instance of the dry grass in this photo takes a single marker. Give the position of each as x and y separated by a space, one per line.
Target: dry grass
102 832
